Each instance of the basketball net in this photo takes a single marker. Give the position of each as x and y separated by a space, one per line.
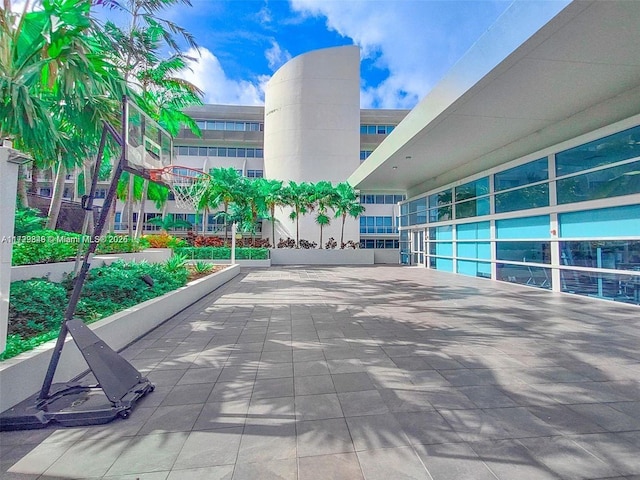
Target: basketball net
187 185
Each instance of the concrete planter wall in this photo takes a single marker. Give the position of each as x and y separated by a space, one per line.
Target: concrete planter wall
386 255
242 263
292 256
22 376
56 271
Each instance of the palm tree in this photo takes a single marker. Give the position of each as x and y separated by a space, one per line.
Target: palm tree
271 191
169 223
224 188
324 197
346 204
298 196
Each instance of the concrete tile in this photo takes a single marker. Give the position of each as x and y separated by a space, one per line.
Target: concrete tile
188 394
317 407
367 402
222 472
271 411
376 431
487 396
216 415
262 443
273 388
276 370
209 448
453 461
200 375
273 470
352 382
399 463
427 427
176 418
400 400
323 437
341 466
314 384
149 453
345 365
509 459
313 367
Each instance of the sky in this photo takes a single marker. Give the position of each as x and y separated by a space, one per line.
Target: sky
406 45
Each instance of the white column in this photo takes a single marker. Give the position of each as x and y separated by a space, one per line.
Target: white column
234 229
9 163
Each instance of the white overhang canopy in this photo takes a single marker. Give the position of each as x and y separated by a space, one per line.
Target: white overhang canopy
515 92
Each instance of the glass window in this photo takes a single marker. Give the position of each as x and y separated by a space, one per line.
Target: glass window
615 221
382 130
474 269
534 252
611 149
418 205
440 214
531 172
472 231
390 129
183 150
522 228
259 152
610 182
193 151
201 124
442 264
242 152
472 189
363 129
232 152
612 254
213 151
480 250
218 125
371 129
251 152
440 198
608 286
523 198
222 151
473 208
524 275
202 151
399 198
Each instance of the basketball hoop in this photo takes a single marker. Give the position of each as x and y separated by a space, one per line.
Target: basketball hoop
187 184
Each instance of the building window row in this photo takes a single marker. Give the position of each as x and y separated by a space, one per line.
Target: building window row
386 243
376 129
381 199
233 152
230 125
364 154
377 225
566 245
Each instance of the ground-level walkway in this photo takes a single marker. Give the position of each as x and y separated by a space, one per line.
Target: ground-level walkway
368 373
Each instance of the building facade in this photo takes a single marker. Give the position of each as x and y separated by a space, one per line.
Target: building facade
523 165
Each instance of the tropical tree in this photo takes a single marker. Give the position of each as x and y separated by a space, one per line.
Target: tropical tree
271 191
167 223
346 205
324 197
54 80
300 197
224 189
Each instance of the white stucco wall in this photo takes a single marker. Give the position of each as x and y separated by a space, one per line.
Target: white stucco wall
312 129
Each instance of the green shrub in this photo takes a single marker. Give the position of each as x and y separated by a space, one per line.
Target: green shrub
202 267
27 220
112 243
223 253
45 246
36 306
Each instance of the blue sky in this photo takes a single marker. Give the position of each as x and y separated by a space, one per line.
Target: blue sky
406 45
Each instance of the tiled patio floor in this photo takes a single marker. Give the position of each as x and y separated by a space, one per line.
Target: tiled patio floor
368 373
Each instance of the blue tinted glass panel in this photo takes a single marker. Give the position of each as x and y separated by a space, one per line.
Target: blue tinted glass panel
441 214
611 149
531 172
484 250
444 248
472 189
613 254
418 205
539 277
608 286
610 182
524 198
442 233
473 208
528 227
607 222
440 198
442 264
534 252
404 208
471 231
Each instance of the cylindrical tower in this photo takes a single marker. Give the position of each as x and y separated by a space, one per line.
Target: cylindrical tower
312 129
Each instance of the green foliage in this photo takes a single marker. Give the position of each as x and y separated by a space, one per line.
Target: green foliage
49 246
27 220
31 314
223 253
45 246
176 263
118 286
202 267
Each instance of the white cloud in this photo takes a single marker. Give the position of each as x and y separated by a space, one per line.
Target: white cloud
416 42
207 74
276 56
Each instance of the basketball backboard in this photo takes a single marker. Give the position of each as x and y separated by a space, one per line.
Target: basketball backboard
147 145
